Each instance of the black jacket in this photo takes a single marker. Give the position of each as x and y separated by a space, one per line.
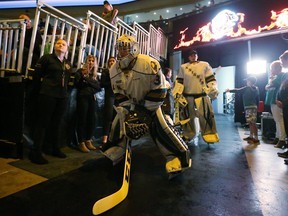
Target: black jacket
86 85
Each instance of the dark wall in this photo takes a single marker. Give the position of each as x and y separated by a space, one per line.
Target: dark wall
11 109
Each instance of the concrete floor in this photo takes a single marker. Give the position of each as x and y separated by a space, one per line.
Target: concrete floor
264 188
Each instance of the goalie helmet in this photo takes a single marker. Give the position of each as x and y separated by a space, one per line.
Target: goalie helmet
127 49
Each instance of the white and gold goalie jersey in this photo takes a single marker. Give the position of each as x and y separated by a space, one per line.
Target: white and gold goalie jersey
142 84
196 76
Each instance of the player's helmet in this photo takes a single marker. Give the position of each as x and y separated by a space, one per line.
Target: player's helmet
131 45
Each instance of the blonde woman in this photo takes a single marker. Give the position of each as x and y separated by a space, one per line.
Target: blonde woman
51 77
87 84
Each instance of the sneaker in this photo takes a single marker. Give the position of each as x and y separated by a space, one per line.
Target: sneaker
37 158
283 154
90 145
280 144
247 138
83 148
254 141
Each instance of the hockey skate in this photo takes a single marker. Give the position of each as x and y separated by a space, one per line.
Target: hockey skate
174 167
105 146
116 152
211 138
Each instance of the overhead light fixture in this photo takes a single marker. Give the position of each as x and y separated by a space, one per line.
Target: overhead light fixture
256 67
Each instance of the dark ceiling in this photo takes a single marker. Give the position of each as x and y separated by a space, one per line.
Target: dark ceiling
124 9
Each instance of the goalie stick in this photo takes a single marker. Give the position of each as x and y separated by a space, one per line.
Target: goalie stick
114 199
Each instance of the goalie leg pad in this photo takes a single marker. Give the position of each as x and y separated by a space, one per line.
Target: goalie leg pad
207 120
169 141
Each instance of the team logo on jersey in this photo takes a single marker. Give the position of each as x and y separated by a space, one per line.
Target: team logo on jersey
118 85
157 80
67 66
154 66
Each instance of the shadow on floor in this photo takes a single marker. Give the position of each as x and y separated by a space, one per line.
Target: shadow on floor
219 183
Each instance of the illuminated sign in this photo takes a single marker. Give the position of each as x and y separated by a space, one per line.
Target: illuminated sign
229 24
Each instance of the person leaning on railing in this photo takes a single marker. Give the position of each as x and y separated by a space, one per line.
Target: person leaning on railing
109 14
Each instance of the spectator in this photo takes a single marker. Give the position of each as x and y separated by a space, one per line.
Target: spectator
284 60
109 99
168 105
282 99
54 71
31 93
42 25
109 14
87 85
272 88
282 102
37 43
250 94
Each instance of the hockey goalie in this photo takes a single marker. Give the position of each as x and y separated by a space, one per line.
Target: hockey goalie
139 87
199 86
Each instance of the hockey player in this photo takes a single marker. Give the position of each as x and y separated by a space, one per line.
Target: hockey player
200 87
139 88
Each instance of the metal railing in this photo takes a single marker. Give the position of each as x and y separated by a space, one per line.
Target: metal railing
12 36
143 37
64 27
102 38
96 37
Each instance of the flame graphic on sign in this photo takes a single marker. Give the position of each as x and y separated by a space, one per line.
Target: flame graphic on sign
224 23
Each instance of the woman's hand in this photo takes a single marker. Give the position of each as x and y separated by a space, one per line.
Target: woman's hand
85 72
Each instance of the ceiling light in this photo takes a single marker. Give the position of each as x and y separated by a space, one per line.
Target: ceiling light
256 67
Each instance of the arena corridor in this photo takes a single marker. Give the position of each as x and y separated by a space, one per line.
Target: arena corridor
228 178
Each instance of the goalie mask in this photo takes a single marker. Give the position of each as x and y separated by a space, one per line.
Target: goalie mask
127 49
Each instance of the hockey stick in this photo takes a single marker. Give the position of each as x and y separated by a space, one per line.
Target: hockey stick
114 199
